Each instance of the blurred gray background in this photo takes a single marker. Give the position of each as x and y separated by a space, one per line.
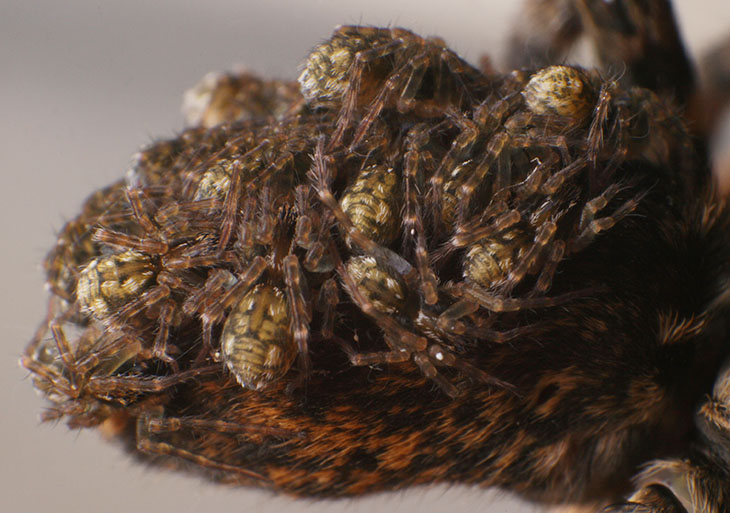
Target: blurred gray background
84 84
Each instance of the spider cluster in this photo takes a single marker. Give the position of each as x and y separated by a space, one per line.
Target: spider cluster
272 295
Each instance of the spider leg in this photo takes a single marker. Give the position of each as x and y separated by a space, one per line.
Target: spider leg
370 359
536 178
177 218
475 230
429 371
316 259
161 424
498 304
459 74
230 207
134 197
642 38
148 298
247 232
218 281
212 312
418 66
352 96
543 236
412 218
402 78
596 133
266 222
122 388
160 348
321 179
449 322
299 310
417 139
545 278
64 348
420 358
123 241
146 443
558 178
304 227
496 146
451 166
595 205
654 498
327 301
442 357
188 262
589 227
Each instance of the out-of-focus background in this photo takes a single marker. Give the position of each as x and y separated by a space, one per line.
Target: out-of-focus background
84 84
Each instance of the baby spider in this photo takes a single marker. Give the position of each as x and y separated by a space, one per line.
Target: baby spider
75 245
238 96
270 310
145 277
266 326
520 231
384 287
491 152
268 322
374 69
166 278
96 371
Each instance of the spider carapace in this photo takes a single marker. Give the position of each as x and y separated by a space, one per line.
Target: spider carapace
405 270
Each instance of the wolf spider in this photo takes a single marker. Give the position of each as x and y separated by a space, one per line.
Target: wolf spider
384 68
519 192
519 232
159 273
75 245
238 96
99 369
640 42
386 275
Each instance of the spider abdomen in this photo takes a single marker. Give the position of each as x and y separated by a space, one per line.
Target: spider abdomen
256 343
107 283
372 203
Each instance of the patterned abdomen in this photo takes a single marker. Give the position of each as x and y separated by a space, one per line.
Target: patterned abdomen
256 344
